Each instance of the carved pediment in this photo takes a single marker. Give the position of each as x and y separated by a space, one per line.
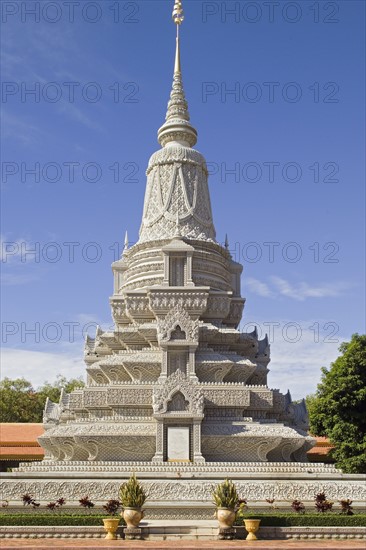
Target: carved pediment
178 391
176 322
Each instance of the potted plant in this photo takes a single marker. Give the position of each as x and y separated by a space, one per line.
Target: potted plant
132 497
251 524
227 501
111 523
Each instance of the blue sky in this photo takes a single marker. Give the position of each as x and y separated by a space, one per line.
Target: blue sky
285 149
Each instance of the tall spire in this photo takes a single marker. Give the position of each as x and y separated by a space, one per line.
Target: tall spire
177 199
177 128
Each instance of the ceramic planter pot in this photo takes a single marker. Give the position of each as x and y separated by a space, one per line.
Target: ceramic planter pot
111 526
132 517
252 526
225 517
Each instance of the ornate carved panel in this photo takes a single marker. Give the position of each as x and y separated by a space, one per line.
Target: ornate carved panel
95 398
228 397
130 396
177 188
163 301
261 399
183 490
177 383
178 316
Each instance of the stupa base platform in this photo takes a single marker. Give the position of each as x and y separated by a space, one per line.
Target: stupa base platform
180 490
203 531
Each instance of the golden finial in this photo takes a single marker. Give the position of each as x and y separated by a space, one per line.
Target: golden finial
178 14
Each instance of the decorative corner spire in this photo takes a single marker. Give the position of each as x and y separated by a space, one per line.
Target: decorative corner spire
226 242
177 127
126 243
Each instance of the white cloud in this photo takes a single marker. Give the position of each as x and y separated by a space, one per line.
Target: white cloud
38 366
9 249
303 290
299 291
258 287
77 114
22 129
296 365
66 357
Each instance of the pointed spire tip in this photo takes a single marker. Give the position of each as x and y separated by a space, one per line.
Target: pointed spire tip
177 128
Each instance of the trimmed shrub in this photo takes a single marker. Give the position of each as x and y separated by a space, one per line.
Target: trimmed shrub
306 520
40 519
267 520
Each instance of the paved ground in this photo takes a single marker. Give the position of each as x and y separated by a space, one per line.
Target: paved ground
183 545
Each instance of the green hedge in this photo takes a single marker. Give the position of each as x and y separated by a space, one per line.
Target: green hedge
54 519
330 519
267 520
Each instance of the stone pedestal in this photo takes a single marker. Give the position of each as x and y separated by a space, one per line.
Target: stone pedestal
226 534
134 533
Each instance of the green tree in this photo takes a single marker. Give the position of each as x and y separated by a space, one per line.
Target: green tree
337 409
20 402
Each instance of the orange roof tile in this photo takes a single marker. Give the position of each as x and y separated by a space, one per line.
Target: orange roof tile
19 440
14 452
20 433
320 451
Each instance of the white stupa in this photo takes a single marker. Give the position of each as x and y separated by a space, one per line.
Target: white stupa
175 392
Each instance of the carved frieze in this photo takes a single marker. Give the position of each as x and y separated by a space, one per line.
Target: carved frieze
235 313
163 301
218 307
230 397
239 449
183 490
104 428
137 305
95 398
130 396
118 310
76 400
261 399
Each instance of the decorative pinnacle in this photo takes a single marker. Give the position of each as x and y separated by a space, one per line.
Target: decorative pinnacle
177 128
126 241
178 18
178 14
